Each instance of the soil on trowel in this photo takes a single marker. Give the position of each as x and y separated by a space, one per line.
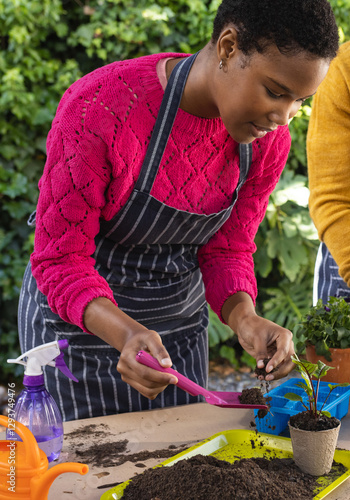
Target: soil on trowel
307 422
202 477
255 396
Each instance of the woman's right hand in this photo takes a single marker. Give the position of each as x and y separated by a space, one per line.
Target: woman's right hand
147 381
107 321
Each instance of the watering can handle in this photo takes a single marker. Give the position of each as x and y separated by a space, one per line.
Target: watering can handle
30 444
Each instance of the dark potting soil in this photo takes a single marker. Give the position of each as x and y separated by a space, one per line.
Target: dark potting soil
115 453
306 421
112 453
254 396
206 477
262 371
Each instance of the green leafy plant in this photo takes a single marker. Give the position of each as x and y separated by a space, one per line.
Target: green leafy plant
325 326
309 370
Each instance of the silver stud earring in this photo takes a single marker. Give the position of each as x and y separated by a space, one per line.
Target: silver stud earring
221 64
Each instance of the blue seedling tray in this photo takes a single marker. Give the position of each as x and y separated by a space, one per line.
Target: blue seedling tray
281 408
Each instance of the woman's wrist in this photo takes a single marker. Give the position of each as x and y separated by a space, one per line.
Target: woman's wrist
105 320
236 308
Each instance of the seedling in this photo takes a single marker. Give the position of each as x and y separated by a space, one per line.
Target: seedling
309 370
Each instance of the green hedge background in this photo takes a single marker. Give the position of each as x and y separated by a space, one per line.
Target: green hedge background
45 45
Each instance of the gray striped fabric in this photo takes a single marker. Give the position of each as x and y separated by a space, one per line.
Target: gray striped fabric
327 281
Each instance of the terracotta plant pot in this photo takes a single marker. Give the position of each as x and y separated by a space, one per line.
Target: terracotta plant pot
313 451
340 361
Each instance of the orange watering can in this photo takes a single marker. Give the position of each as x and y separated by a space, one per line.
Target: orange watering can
24 473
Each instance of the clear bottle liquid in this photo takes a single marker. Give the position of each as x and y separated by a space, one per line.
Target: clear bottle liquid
36 409
51 446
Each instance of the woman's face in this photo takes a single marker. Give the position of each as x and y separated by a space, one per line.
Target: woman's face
256 94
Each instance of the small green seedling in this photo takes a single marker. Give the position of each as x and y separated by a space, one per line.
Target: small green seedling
309 370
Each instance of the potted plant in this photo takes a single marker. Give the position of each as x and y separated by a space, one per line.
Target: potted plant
314 432
324 333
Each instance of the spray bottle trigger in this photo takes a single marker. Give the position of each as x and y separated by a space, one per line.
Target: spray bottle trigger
61 365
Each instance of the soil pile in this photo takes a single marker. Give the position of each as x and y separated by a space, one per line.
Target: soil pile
202 477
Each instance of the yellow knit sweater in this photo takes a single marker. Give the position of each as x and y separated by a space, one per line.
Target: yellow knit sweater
328 152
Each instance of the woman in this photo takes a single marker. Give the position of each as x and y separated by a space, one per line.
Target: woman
134 235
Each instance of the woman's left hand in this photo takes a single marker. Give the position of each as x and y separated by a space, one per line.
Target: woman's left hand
260 337
263 339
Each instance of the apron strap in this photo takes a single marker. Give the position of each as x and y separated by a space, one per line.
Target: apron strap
164 123
245 161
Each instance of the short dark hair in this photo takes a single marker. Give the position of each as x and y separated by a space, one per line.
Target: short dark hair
292 25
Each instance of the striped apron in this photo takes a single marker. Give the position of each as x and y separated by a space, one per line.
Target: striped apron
327 281
148 255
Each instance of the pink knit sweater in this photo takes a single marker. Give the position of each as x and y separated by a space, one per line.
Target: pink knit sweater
95 150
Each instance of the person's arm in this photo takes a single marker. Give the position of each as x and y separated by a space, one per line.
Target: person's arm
107 321
72 201
328 154
260 337
63 266
227 265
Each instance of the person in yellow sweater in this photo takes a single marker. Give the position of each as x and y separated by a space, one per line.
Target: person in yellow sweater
328 153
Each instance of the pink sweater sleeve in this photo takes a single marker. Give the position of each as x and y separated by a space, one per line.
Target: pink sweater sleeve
226 261
67 220
94 155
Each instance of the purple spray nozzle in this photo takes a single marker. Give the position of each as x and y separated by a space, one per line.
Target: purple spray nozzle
61 365
63 344
46 354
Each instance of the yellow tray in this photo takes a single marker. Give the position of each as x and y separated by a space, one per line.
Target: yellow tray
236 444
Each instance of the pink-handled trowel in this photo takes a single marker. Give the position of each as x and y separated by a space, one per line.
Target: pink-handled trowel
217 398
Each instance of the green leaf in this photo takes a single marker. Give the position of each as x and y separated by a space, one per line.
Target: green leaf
43 116
8 151
302 386
85 34
291 188
322 369
293 397
322 349
343 384
16 187
345 343
230 354
218 331
248 360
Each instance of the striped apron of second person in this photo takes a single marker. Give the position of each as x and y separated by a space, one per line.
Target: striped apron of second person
327 280
148 255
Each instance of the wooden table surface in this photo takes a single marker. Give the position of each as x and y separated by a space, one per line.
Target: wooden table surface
152 430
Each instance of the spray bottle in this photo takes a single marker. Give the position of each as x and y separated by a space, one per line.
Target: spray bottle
35 407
